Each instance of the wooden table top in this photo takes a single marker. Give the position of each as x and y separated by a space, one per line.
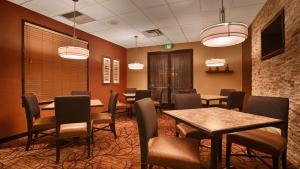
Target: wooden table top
129 94
221 121
94 103
212 97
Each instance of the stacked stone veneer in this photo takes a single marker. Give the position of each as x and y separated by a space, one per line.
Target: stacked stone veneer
280 75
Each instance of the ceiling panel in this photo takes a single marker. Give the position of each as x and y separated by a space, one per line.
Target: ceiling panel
96 12
148 3
95 26
138 21
161 16
119 6
239 3
18 1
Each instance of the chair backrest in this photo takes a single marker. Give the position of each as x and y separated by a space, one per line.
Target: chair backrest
187 101
130 90
226 92
147 124
187 91
32 108
274 107
141 94
236 100
112 104
72 109
157 93
81 93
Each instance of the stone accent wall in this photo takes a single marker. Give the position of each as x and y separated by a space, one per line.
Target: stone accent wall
280 75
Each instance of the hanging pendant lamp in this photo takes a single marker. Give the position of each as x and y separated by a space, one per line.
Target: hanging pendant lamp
135 65
73 52
224 33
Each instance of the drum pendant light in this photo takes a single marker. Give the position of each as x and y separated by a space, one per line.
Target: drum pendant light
135 65
73 52
224 33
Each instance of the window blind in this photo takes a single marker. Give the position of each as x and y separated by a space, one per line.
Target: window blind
45 73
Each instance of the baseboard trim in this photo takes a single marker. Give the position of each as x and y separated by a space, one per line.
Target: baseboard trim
13 137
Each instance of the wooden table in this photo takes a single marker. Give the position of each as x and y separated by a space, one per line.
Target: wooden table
94 103
129 95
210 97
217 121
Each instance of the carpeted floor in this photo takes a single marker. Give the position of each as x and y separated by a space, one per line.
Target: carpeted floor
107 152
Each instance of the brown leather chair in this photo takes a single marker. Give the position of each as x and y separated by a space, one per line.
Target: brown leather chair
182 91
35 123
235 101
157 98
261 140
81 93
141 94
130 90
179 153
225 92
73 119
107 117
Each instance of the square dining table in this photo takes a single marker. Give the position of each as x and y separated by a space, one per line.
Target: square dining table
210 97
94 103
129 95
218 121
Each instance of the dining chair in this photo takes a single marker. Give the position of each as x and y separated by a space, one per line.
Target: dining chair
182 91
157 94
141 94
225 92
35 123
235 101
172 152
259 139
73 119
82 92
108 117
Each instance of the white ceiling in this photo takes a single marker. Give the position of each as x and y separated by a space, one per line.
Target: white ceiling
179 20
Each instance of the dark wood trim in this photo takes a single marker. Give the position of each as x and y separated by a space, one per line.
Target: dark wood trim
281 50
13 137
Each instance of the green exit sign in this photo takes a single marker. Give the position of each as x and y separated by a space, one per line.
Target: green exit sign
168 46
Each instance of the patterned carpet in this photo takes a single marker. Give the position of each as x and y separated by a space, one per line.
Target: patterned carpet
107 152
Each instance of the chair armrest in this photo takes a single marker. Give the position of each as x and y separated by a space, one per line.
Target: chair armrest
45 102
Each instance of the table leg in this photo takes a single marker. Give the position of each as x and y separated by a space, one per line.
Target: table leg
207 103
214 151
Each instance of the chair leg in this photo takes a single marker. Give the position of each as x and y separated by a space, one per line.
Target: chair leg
150 166
144 166
160 109
275 162
92 136
57 151
284 158
220 149
29 140
113 128
248 150
88 140
228 153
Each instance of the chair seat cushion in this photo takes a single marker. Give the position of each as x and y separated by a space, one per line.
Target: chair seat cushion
44 123
185 130
73 130
99 118
156 103
121 105
174 152
218 105
260 140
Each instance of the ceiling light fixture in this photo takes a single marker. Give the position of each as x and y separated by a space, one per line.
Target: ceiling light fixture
224 33
136 65
215 62
73 52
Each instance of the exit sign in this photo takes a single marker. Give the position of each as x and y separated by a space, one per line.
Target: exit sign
168 46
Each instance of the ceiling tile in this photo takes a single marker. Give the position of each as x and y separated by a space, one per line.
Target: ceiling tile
119 6
18 1
95 26
48 7
63 20
161 16
244 11
138 21
96 12
239 3
80 4
148 3
159 40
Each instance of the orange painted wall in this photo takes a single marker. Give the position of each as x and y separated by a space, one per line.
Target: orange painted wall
12 116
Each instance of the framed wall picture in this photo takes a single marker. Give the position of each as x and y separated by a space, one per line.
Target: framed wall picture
106 69
116 71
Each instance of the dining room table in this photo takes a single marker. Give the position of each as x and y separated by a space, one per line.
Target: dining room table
216 122
93 103
211 97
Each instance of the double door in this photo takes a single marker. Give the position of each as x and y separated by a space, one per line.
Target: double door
170 71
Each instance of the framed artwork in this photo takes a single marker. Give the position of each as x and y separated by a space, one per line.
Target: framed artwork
116 71
106 69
